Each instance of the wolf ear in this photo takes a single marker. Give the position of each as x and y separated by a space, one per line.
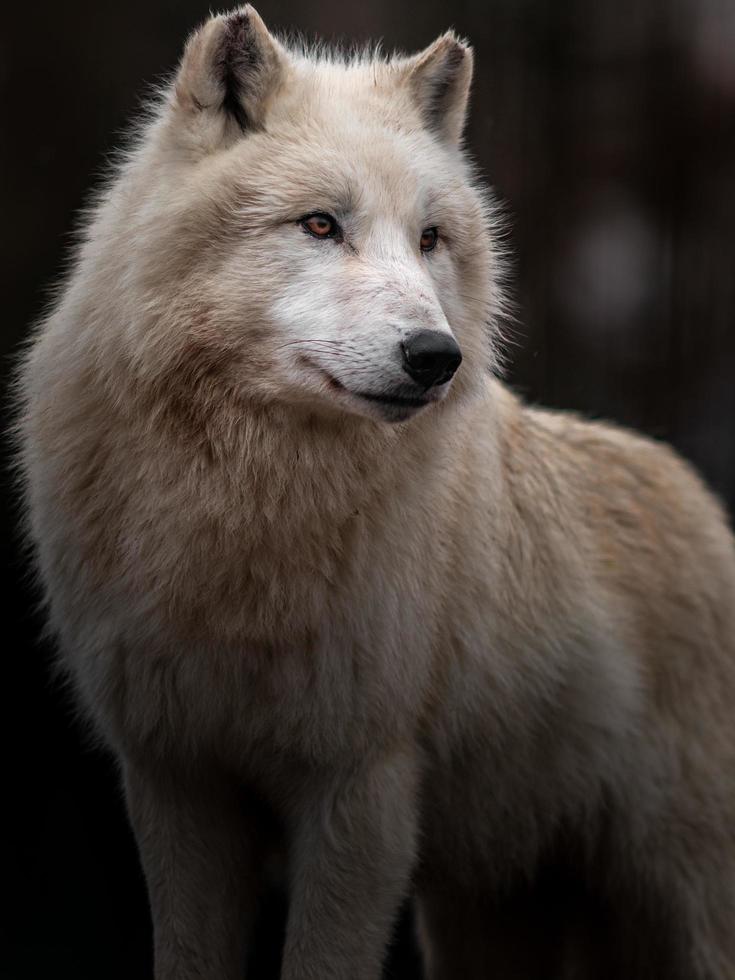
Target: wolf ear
440 78
230 68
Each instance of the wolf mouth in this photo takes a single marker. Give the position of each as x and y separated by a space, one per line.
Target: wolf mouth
399 400
390 400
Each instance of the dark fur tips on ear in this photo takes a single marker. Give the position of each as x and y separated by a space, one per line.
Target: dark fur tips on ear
230 66
441 83
236 63
440 78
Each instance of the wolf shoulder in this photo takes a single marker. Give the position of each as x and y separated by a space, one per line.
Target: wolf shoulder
605 505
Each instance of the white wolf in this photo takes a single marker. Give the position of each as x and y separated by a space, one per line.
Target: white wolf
299 558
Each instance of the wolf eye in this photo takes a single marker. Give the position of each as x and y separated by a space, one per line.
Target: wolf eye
429 238
320 225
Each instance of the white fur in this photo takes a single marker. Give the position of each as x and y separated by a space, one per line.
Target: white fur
431 641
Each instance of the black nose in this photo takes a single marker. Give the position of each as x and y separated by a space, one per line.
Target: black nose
430 357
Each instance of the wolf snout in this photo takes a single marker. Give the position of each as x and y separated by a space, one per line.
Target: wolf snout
431 358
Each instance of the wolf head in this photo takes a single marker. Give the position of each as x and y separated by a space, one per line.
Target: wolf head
309 231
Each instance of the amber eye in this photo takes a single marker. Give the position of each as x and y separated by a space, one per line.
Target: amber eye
320 225
429 238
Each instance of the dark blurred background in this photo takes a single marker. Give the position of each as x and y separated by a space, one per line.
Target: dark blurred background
608 129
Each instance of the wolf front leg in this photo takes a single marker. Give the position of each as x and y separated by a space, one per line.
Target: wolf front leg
197 849
352 853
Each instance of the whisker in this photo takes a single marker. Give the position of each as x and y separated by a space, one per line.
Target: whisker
310 341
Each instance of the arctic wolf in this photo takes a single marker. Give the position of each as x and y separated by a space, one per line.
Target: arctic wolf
306 557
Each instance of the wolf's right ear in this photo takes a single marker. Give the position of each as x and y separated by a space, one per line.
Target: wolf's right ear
230 68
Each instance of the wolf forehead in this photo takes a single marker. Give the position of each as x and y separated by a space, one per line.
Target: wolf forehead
237 78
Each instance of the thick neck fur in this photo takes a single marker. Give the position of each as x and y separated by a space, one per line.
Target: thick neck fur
282 496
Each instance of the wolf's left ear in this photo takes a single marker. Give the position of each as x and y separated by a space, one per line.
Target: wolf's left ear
230 68
440 78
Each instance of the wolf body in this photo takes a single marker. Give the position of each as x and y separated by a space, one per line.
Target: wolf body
438 636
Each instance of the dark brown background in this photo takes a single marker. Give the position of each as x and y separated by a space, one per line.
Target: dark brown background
607 127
